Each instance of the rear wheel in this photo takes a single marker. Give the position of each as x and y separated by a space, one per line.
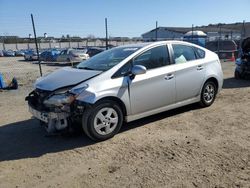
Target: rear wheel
103 120
208 94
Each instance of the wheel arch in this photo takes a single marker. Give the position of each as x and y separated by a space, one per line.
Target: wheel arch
117 100
213 79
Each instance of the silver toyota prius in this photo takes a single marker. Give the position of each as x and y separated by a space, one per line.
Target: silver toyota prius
126 83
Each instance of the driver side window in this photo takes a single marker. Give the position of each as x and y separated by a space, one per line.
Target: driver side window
153 58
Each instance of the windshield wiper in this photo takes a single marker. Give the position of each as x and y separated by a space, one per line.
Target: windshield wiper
86 68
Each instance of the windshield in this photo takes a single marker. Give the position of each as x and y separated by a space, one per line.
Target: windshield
107 59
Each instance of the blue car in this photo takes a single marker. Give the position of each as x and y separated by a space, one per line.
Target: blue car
49 55
8 53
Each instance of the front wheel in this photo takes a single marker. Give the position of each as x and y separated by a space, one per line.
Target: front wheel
103 120
208 94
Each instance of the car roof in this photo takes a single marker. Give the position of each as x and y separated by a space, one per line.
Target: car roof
144 44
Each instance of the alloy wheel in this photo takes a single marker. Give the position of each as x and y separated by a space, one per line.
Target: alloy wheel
209 93
105 121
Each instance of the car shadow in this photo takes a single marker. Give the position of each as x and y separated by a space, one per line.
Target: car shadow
23 60
27 139
230 83
158 117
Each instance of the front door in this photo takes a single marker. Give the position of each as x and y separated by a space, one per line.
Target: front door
155 88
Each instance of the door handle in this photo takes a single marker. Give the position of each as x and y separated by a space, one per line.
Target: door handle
199 67
169 76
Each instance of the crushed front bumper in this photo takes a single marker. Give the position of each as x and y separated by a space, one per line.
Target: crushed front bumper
54 121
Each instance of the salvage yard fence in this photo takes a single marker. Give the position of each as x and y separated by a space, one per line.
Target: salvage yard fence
47 45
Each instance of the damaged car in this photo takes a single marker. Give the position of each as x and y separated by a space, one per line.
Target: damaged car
242 70
124 84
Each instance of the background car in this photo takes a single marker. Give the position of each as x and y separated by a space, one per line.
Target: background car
93 51
49 55
72 55
28 54
19 53
242 69
31 55
9 53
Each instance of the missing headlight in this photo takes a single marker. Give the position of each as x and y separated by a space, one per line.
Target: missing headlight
59 100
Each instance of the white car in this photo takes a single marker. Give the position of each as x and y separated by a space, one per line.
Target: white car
72 55
124 84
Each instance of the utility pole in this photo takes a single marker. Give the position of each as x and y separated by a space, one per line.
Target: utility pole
106 29
156 32
243 30
219 40
38 56
192 33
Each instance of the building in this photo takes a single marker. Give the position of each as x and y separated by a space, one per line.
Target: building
164 33
213 32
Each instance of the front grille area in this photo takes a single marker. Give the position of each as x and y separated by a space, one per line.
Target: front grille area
36 98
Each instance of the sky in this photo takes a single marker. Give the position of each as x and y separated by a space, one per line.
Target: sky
126 18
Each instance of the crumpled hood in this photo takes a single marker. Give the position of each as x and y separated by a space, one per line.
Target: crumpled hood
64 77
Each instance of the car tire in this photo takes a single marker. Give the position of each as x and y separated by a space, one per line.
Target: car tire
237 75
103 120
208 94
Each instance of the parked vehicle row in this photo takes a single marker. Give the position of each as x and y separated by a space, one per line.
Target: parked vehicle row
62 55
52 55
11 53
7 53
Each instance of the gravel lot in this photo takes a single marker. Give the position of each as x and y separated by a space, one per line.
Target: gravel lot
186 147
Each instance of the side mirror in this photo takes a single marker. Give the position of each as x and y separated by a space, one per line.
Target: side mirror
138 69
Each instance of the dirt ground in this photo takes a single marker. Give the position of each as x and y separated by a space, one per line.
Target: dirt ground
186 147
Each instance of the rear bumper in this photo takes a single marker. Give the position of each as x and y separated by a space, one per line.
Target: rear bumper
34 57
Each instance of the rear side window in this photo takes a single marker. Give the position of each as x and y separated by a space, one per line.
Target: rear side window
200 53
183 53
153 58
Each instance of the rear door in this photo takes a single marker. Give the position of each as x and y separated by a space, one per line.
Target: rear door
189 71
